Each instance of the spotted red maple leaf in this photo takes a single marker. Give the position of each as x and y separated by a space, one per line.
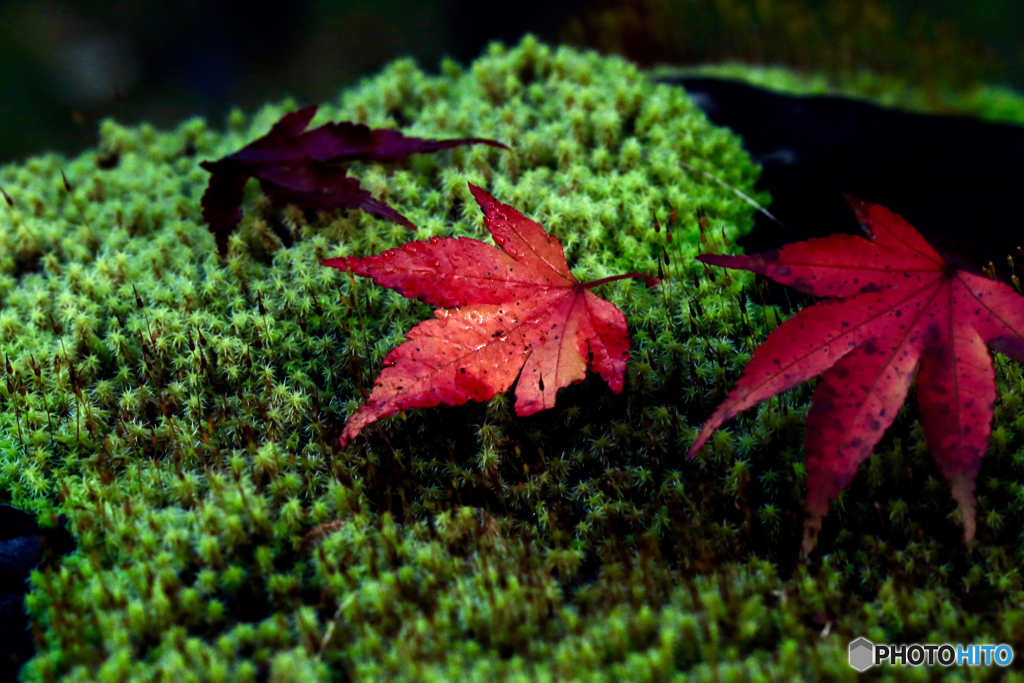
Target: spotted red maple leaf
895 305
514 312
299 166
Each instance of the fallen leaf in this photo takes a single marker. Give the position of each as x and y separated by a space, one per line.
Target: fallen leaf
297 166
895 306
514 312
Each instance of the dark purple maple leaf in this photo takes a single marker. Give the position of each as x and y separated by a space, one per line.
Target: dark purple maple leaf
302 167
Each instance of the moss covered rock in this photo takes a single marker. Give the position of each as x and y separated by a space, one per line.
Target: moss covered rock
183 410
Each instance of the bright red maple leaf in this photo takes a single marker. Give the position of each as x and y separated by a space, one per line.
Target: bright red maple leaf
896 306
504 313
301 167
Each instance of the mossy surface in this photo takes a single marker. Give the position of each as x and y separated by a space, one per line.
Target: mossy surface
223 536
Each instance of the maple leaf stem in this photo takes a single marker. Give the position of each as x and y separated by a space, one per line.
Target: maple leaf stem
651 281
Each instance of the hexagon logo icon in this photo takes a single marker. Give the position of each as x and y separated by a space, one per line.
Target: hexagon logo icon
862 654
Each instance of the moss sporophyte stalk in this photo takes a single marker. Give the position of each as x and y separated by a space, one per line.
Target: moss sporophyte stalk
182 410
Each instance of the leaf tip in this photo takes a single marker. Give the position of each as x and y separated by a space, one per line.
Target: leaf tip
480 195
723 260
337 262
862 210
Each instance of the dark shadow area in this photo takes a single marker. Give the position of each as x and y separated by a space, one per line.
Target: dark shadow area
955 179
67 64
24 546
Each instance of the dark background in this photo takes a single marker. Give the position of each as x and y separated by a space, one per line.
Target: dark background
65 64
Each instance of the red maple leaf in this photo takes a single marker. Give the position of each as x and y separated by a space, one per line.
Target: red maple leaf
301 167
504 313
895 306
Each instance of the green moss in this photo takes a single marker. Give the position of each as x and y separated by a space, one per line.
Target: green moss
223 536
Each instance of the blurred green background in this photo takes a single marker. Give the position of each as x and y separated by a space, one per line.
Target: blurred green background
65 64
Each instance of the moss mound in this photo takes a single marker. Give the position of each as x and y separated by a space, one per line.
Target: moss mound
182 411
